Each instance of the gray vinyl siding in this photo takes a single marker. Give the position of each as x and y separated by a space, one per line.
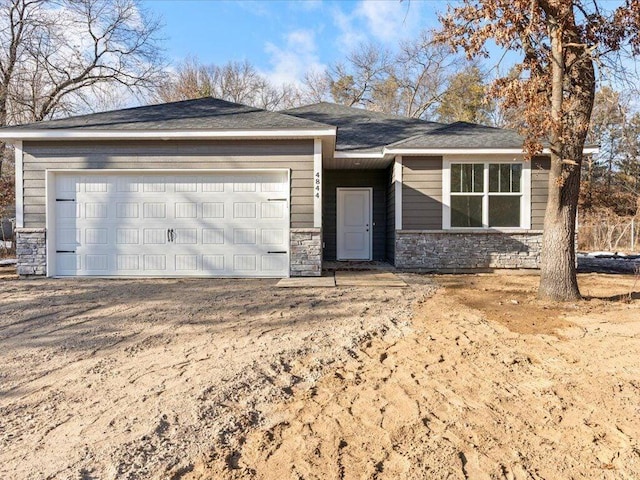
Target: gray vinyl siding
391 214
296 155
539 190
332 179
421 193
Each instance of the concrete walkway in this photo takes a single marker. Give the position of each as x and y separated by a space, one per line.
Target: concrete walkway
368 279
307 282
345 279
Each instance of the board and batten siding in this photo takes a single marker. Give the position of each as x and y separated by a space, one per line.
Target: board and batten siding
376 179
422 193
540 167
296 155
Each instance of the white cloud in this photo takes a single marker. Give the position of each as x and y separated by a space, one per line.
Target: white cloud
291 61
385 21
350 34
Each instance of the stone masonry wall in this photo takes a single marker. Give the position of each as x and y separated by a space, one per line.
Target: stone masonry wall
306 252
440 250
31 249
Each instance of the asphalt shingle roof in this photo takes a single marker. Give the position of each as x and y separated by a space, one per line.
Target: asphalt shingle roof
200 114
363 130
358 130
463 135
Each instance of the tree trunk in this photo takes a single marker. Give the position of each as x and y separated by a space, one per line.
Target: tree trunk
558 280
572 93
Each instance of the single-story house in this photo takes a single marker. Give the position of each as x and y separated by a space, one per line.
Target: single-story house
211 188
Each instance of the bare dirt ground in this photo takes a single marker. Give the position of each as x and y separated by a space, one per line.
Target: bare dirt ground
453 377
141 379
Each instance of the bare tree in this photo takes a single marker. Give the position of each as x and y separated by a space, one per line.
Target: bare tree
237 82
410 82
352 82
54 55
61 57
423 71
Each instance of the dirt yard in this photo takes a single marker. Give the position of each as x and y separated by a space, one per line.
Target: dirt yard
453 377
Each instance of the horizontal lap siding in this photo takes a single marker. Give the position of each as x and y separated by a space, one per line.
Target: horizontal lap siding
539 190
421 193
333 179
296 155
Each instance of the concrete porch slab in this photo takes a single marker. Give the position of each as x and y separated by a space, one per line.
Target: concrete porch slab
309 282
368 279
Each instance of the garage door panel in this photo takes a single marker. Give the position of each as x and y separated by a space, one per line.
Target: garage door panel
154 210
155 263
127 184
213 210
127 236
185 236
153 184
96 236
244 210
213 263
172 225
127 210
128 263
155 236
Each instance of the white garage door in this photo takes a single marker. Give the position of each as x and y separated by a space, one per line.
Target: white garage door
172 224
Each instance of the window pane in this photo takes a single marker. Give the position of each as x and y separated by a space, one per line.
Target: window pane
505 177
467 177
456 171
516 174
504 211
494 177
466 211
478 177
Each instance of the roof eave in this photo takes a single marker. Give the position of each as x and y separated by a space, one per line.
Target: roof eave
471 151
9 134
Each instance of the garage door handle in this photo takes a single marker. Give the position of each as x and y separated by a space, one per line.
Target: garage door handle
171 236
168 235
277 251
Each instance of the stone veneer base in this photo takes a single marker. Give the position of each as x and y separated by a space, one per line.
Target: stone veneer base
31 250
306 252
455 250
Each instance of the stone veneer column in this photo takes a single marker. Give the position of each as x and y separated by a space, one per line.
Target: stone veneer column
31 249
306 252
455 250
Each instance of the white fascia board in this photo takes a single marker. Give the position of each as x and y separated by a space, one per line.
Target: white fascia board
71 134
472 151
339 154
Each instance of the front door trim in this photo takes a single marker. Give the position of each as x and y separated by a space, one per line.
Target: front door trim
340 255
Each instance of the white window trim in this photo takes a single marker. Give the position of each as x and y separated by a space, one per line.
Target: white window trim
525 204
317 183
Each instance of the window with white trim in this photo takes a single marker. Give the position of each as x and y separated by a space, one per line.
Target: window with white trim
486 195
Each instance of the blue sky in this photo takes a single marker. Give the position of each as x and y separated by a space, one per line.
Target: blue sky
285 38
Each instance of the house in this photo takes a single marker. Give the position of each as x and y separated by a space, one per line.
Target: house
211 188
